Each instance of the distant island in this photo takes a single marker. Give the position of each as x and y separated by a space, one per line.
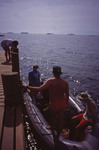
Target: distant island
49 33
10 32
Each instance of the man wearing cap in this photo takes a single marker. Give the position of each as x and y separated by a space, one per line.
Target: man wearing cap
34 76
59 96
86 118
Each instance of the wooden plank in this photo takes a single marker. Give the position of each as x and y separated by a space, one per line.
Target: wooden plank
1 105
2 97
1 91
20 141
11 128
8 131
1 119
6 127
1 94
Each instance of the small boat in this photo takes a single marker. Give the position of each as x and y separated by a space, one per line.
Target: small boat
38 115
1 35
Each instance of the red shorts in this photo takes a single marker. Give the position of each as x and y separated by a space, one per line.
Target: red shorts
81 120
58 105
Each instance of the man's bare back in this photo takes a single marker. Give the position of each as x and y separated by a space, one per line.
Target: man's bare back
58 89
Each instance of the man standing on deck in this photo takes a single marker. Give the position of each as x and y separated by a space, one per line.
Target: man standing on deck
59 96
7 45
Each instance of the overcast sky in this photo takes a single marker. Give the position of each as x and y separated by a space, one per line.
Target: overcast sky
55 16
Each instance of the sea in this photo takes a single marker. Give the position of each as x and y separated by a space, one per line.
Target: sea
77 55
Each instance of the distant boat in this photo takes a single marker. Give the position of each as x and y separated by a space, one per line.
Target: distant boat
2 35
49 33
71 34
24 33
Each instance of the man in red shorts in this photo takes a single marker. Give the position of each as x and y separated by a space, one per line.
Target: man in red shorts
59 96
86 118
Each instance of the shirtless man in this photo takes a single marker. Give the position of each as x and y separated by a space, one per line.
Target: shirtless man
59 96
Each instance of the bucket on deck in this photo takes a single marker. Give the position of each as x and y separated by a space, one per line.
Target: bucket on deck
65 133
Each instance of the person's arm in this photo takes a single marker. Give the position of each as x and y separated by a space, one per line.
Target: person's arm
82 111
67 93
92 108
39 79
41 88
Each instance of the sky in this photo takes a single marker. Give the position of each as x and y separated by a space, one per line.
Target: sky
50 16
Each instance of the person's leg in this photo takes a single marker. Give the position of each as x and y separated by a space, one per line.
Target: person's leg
8 51
75 121
60 119
80 128
5 49
6 55
52 115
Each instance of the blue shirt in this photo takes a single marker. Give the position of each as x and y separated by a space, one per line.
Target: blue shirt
34 78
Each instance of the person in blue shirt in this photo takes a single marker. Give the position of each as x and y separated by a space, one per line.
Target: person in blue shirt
34 77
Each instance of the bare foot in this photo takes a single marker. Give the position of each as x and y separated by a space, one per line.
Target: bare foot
48 127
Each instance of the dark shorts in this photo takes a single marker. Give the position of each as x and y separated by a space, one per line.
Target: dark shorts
6 48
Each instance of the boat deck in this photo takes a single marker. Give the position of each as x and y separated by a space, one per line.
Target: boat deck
11 122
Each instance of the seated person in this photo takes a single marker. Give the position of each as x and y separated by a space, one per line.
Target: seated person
84 119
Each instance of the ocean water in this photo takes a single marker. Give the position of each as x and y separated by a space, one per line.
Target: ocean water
78 56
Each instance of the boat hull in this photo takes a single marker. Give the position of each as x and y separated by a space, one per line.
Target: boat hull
39 123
